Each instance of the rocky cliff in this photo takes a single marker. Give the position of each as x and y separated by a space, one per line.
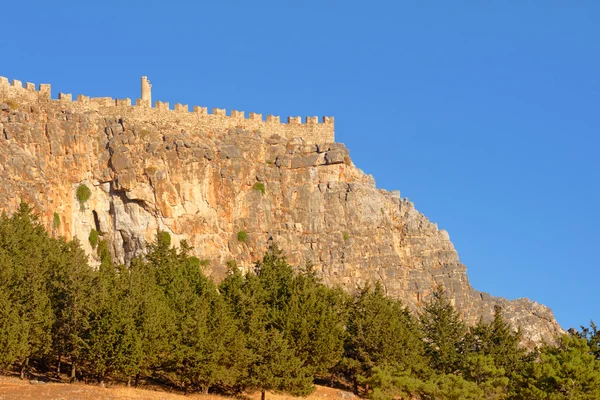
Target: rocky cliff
207 184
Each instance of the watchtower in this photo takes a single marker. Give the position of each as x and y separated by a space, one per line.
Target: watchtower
146 92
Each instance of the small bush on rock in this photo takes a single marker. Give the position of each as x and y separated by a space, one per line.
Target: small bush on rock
56 221
94 235
83 194
259 186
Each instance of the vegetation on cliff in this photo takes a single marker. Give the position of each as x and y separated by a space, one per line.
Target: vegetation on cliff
275 328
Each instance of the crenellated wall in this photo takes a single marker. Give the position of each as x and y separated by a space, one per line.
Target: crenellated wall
311 130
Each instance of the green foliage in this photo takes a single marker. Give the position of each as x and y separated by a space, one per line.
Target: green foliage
592 335
444 333
242 236
93 238
56 221
293 324
566 371
276 328
204 262
346 236
259 186
113 342
28 257
163 239
83 194
495 358
491 379
381 332
390 383
452 387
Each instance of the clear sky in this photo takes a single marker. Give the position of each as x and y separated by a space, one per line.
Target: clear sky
485 115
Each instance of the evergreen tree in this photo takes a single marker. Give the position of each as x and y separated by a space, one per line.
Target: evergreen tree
566 371
70 286
274 366
206 342
592 335
314 322
201 345
489 377
444 333
496 357
380 333
308 314
152 317
113 342
270 330
26 313
260 301
452 387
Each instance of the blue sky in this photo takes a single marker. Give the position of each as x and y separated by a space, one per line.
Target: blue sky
485 114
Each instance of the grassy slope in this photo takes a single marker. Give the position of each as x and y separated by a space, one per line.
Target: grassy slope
14 388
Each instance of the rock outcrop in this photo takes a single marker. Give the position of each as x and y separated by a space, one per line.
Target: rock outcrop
205 185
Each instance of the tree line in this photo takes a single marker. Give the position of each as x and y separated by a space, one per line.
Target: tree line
276 328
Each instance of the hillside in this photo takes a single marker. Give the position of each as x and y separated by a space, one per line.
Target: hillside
230 186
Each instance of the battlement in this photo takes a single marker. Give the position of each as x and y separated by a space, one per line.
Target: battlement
311 129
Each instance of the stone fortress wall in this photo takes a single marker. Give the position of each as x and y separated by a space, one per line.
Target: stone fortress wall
311 130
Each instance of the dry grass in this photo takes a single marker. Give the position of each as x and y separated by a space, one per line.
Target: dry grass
14 388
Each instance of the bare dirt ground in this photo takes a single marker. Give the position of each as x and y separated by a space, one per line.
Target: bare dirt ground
13 388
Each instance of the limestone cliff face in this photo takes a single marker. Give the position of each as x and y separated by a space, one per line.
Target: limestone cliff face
199 185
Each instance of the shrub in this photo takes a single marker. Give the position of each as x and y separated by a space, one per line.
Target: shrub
83 195
270 162
163 238
204 262
94 235
259 186
242 236
56 221
346 236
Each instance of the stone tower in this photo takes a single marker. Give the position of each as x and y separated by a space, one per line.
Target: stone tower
146 92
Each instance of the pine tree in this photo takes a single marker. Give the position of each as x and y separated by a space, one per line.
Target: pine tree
113 342
314 322
566 371
27 318
274 366
204 345
70 286
491 379
260 301
592 335
380 333
495 356
444 333
152 317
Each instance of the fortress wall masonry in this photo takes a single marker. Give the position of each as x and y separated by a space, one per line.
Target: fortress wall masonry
311 130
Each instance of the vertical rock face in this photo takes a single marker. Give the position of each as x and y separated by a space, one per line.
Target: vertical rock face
207 185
